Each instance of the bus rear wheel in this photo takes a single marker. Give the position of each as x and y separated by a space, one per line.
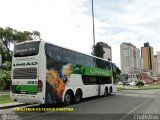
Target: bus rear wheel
110 91
68 98
78 96
105 92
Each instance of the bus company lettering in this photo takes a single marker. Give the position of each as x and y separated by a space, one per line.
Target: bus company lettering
99 72
21 50
25 50
25 64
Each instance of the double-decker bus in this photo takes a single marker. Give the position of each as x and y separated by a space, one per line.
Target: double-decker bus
46 74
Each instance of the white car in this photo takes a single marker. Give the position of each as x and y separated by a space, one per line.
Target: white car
132 83
119 83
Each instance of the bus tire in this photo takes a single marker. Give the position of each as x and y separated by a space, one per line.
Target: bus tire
68 98
78 96
105 92
110 91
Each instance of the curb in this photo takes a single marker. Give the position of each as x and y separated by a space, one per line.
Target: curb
131 89
141 89
12 106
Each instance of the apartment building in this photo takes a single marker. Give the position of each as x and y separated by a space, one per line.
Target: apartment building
148 57
130 59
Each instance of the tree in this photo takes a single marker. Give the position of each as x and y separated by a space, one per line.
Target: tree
118 71
98 50
5 55
116 74
6 66
36 34
5 76
109 59
10 36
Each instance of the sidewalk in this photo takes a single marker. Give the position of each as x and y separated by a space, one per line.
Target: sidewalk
10 105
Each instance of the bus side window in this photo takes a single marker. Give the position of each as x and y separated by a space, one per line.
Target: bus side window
103 80
100 63
108 65
94 62
69 56
80 59
88 80
89 61
53 52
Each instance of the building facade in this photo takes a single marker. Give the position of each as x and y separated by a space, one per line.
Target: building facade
108 51
130 59
141 64
148 57
157 63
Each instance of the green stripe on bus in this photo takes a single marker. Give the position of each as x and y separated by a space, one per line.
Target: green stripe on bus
86 70
26 88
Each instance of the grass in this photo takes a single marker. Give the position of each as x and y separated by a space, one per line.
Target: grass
147 86
120 88
5 99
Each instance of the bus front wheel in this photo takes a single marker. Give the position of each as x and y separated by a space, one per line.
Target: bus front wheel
110 91
67 98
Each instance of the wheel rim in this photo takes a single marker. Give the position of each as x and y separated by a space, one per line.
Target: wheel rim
110 91
68 98
77 98
105 92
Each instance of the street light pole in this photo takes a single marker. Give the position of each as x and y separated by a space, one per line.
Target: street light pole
93 28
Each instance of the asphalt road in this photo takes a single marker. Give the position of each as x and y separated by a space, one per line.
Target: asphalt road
124 105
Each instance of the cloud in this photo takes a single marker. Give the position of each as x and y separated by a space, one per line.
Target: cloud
135 21
69 23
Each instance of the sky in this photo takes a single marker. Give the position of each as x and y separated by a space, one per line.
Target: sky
68 23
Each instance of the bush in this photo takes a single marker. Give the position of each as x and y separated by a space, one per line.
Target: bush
5 76
6 66
140 83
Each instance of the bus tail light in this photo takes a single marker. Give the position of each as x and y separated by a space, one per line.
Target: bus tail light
40 85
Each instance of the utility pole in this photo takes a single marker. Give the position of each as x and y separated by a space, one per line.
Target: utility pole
93 28
131 74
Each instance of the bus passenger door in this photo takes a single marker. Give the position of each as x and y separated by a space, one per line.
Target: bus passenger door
101 86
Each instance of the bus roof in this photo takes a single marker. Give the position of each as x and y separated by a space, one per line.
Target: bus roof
28 41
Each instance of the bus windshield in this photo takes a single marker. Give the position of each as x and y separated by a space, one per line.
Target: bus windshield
27 49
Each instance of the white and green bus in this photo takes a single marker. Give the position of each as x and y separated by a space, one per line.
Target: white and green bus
46 74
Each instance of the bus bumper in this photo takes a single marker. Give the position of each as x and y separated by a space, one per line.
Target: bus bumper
26 98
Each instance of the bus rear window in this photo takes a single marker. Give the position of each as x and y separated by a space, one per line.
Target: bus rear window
25 73
26 49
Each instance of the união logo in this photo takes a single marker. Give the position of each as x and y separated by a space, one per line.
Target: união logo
25 64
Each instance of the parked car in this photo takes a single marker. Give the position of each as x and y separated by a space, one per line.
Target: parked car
119 83
126 83
132 83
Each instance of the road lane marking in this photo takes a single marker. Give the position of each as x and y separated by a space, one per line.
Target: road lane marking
135 108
